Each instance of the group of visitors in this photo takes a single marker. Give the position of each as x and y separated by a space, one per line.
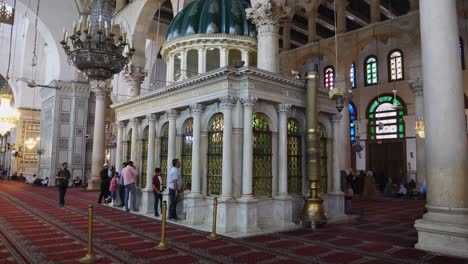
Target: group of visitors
361 183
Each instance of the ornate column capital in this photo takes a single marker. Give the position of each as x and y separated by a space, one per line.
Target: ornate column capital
196 109
248 101
121 124
416 87
172 114
152 117
227 101
136 121
134 75
100 87
268 16
283 108
335 118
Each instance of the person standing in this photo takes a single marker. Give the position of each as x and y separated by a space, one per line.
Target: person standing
157 190
105 182
120 180
113 189
175 184
129 174
63 178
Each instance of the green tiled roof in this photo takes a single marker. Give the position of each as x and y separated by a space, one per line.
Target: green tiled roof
212 17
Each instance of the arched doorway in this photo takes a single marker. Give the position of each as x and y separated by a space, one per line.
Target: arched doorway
386 151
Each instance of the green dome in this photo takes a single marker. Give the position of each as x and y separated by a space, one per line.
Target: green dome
212 17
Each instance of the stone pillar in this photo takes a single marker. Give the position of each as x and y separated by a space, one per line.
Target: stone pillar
135 77
245 57
196 110
118 152
374 11
417 88
444 228
336 179
268 16
170 70
341 16
227 103
287 35
171 116
344 138
101 90
134 146
312 25
223 57
283 110
151 139
247 169
201 60
183 64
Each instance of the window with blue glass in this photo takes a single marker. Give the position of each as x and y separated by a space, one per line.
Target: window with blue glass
462 52
352 75
352 118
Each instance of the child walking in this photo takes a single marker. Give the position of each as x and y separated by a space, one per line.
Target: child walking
348 197
113 189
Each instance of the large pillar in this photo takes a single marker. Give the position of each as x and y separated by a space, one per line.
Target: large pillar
101 90
312 25
336 179
374 11
183 64
223 57
283 110
341 16
135 77
134 144
147 196
171 144
345 140
247 169
170 70
118 152
444 228
201 60
268 16
196 110
417 88
227 103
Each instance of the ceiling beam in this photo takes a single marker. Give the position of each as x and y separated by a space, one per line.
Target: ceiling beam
384 10
350 14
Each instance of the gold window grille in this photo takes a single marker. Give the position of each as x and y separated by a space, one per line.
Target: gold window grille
294 158
261 156
187 154
215 154
144 158
164 149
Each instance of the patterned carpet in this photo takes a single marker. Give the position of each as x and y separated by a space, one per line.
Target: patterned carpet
33 229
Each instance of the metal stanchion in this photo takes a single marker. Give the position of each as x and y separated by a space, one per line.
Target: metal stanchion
162 244
89 258
213 235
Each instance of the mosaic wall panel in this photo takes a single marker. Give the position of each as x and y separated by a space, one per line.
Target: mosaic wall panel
30 129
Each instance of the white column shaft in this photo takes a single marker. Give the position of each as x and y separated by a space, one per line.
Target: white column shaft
268 48
201 60
134 146
196 175
98 140
247 169
227 152
223 56
283 153
183 64
336 182
150 162
118 152
170 70
171 141
245 57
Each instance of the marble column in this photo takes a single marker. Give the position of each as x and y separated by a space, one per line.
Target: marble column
227 102
119 150
444 228
101 90
268 17
135 77
196 110
247 159
287 35
147 196
183 64
134 144
417 89
171 146
341 16
170 70
283 110
311 25
336 179
374 11
223 57
201 60
245 57
345 138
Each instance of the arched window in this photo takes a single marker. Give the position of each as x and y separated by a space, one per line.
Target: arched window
187 142
352 75
329 74
215 154
7 13
144 158
323 160
164 148
192 63
212 59
395 65
294 157
371 76
129 145
462 52
386 118
261 141
352 118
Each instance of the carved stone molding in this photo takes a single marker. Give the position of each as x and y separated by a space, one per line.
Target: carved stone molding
152 117
283 108
416 87
268 16
248 101
172 114
227 101
196 109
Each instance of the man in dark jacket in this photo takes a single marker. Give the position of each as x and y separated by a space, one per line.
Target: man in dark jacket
63 178
105 182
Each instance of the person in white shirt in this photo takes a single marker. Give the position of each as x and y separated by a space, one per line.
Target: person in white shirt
175 185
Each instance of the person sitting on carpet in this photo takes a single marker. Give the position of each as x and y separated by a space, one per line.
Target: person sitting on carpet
37 181
45 182
402 191
77 181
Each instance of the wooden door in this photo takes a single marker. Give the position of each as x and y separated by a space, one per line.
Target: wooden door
387 159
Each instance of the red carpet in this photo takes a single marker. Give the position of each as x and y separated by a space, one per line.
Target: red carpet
33 229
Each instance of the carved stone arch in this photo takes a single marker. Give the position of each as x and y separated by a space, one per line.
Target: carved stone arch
210 111
269 111
299 116
182 122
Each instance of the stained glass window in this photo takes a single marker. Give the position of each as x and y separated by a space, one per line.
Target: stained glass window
215 154
294 158
462 52
187 143
329 74
352 118
7 13
371 76
164 149
144 158
261 141
395 65
352 75
386 118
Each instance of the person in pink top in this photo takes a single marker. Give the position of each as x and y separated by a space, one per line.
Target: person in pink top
129 173
113 188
